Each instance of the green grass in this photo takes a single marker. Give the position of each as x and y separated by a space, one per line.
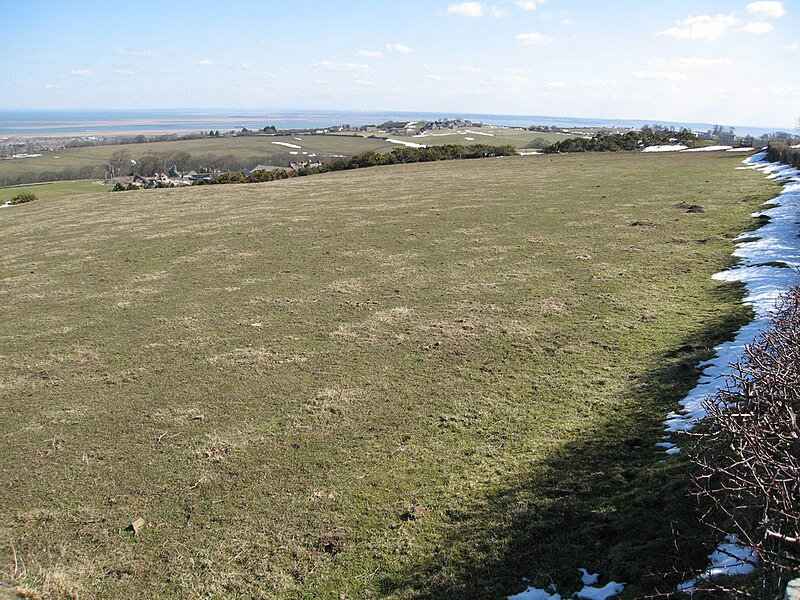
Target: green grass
52 191
419 381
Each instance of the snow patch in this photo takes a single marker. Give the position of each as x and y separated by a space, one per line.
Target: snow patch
731 557
533 593
478 133
589 592
469 139
409 144
532 153
588 578
775 243
665 148
288 145
609 590
709 149
745 149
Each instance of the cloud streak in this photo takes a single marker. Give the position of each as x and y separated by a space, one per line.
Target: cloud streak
396 47
342 67
475 9
533 39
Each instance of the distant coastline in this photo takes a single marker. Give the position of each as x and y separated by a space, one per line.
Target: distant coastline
32 123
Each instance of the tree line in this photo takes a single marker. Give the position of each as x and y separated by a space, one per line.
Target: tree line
615 142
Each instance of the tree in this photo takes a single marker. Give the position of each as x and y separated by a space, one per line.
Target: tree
119 163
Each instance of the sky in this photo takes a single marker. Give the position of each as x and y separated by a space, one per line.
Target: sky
731 62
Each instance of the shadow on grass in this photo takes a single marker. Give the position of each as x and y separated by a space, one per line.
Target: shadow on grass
608 502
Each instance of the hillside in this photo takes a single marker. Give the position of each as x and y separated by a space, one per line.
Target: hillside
416 381
233 153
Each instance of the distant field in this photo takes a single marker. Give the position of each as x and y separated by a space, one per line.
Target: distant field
417 381
52 191
258 148
262 149
494 136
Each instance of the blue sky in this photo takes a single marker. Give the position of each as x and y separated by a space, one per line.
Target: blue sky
731 62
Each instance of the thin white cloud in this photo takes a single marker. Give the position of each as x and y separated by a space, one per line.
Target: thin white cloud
466 9
401 48
370 53
515 76
138 52
529 4
679 68
205 62
702 27
342 66
470 69
659 75
766 9
756 27
80 72
683 62
594 84
533 39
475 9
124 72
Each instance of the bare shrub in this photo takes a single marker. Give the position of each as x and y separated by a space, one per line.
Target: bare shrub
748 450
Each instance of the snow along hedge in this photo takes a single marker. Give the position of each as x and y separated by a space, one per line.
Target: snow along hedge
748 449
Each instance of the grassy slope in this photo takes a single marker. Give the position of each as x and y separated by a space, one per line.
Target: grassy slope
52 191
413 381
259 148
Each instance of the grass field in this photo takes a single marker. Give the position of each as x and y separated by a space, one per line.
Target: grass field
494 136
52 191
261 149
258 148
417 381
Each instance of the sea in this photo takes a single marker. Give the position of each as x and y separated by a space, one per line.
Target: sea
109 122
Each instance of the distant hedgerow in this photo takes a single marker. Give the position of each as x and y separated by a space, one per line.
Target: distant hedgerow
22 198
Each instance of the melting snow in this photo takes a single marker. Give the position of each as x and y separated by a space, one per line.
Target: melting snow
589 592
729 558
409 144
588 578
287 145
610 590
745 149
478 133
533 593
665 148
774 243
709 149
